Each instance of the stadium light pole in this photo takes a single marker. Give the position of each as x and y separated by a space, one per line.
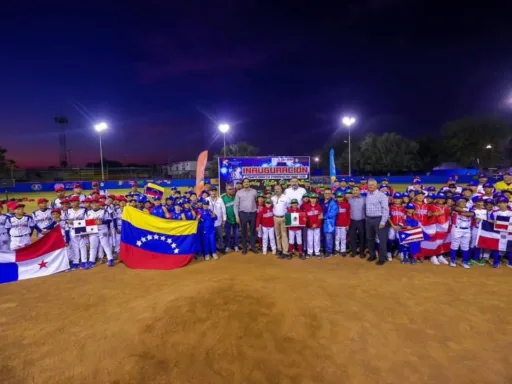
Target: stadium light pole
224 128
489 146
100 127
317 160
348 121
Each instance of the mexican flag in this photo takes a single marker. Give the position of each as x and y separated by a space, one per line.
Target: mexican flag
295 219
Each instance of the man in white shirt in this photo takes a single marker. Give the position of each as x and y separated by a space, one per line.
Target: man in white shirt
294 191
217 206
280 203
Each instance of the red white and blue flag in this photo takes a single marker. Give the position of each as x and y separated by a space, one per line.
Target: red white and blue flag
412 235
46 256
503 224
489 238
437 238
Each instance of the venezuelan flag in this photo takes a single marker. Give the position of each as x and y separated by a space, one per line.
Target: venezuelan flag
153 190
149 242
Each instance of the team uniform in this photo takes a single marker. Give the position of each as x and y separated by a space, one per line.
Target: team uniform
265 221
20 229
314 224
4 233
43 219
208 234
77 243
100 238
496 254
342 225
461 238
405 250
294 234
397 218
57 203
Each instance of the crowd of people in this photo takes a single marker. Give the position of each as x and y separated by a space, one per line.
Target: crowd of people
342 219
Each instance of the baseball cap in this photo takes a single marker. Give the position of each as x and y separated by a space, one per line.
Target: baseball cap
74 198
488 185
466 189
420 192
441 196
95 183
18 205
157 198
410 206
416 182
348 191
294 201
64 201
268 201
351 181
313 196
476 199
452 185
489 201
397 195
206 202
340 194
87 200
77 185
59 189
502 199
56 210
482 176
472 184
41 200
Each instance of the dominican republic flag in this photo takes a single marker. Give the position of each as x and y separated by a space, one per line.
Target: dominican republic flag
85 227
489 238
295 219
410 235
46 256
153 190
503 224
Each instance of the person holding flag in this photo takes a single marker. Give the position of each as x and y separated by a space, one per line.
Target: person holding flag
461 232
410 250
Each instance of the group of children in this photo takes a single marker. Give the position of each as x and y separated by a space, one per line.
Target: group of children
459 210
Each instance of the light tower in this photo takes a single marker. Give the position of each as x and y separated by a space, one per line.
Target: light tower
62 122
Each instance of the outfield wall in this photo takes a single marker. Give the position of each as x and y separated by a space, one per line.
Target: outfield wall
183 183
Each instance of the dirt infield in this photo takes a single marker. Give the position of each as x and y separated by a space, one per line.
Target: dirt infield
256 319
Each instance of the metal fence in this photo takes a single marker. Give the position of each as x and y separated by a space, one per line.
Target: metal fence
87 174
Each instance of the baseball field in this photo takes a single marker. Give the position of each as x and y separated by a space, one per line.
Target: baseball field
256 319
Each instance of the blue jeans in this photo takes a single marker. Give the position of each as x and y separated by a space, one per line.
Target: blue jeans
329 240
228 227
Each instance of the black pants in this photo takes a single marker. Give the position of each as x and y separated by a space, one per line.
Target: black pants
248 218
372 231
357 235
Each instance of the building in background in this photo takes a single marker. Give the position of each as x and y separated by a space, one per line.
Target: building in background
183 170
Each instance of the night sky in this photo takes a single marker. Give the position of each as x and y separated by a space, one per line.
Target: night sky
164 76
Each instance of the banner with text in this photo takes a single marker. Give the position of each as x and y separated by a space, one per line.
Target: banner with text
264 172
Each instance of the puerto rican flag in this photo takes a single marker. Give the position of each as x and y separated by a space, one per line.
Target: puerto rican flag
46 256
410 235
438 238
489 238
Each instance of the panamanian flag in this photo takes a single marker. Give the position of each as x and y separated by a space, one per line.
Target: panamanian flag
46 256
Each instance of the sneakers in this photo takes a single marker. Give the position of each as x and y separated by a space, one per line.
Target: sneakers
413 261
453 264
264 252
328 256
274 252
227 250
477 262
90 264
466 266
496 265
434 260
207 257
215 257
390 258
74 266
110 263
318 257
404 260
343 254
509 265
442 260
83 265
236 249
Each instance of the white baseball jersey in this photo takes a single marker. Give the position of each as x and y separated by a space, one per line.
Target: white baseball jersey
461 222
43 219
480 214
3 219
118 216
56 203
495 214
101 215
20 226
79 214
